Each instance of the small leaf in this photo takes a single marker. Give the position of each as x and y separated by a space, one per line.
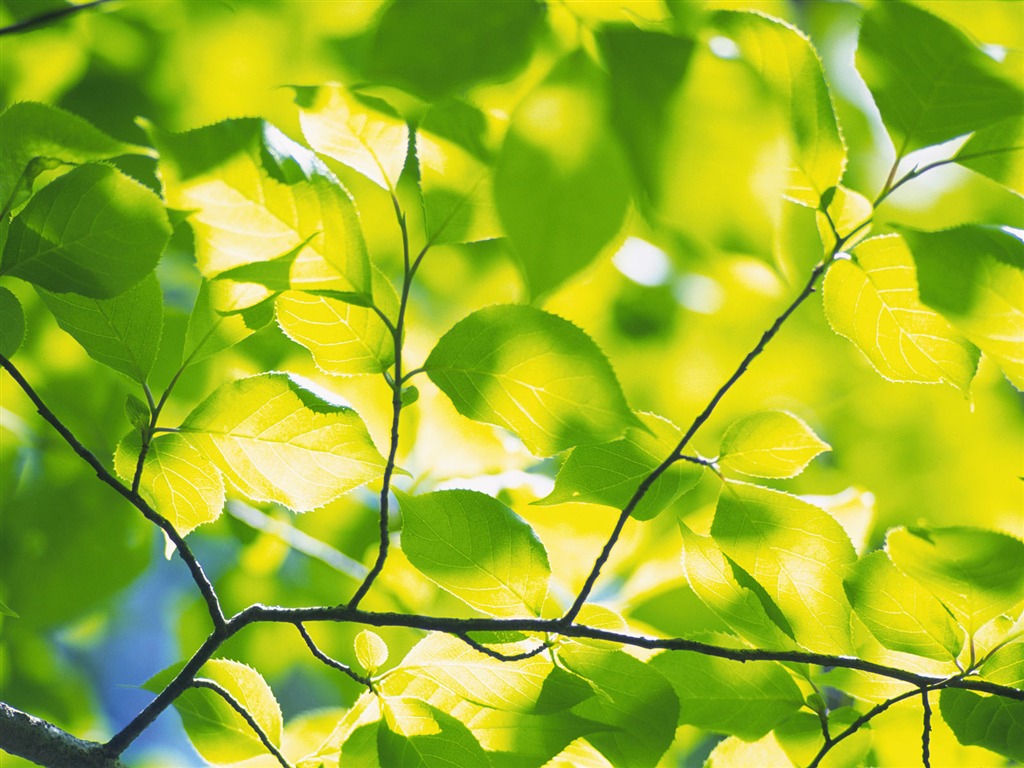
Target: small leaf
899 612
414 734
276 441
978 574
122 332
992 722
12 323
849 213
745 700
533 373
797 553
770 444
561 182
371 651
211 331
476 548
610 473
215 729
873 301
92 231
997 151
138 413
410 395
181 483
930 82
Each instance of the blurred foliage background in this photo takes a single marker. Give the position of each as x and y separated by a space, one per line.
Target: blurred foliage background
684 288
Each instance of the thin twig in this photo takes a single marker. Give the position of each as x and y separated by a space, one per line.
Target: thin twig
926 731
46 18
334 663
498 654
202 682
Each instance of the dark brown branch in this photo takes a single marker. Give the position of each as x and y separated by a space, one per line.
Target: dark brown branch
333 663
42 742
926 730
184 551
224 694
43 19
488 651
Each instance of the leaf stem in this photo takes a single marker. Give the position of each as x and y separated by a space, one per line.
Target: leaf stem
202 682
333 663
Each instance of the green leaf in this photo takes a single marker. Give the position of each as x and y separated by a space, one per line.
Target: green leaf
786 61
634 700
610 473
414 734
255 196
122 332
978 574
5 611
736 753
209 331
797 553
873 301
343 338
215 729
974 276
899 612
801 739
1005 666
436 49
646 70
180 483
561 183
533 373
37 137
92 231
997 151
476 548
930 82
12 323
138 413
770 444
992 722
371 651
743 699
712 577
276 441
361 132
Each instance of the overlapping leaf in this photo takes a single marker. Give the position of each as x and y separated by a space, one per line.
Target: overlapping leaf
414 734
992 722
997 151
12 323
770 444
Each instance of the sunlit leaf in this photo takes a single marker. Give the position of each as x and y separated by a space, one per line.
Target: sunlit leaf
1006 665
213 325
930 82
414 734
997 151
770 444
737 753
371 651
797 553
899 612
610 473
276 441
561 182
12 323
847 214
873 301
801 739
93 231
978 574
745 700
533 373
992 722
122 332
476 548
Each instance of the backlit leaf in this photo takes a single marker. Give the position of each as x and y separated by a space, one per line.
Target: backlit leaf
1006 665
276 441
214 325
873 301
533 373
93 231
476 548
797 552
801 739
12 323
997 151
770 444
122 332
736 753
414 734
371 651
992 722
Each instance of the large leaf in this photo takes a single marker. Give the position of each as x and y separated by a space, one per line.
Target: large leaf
533 373
255 195
992 722
998 152
216 730
122 332
276 441
610 473
414 734
770 444
92 231
561 182
434 49
978 574
743 699
899 612
797 553
38 137
181 483
12 323
634 700
476 548
873 301
787 62
930 82
974 276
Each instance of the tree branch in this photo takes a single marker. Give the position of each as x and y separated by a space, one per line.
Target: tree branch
42 742
333 663
926 730
224 694
488 651
43 19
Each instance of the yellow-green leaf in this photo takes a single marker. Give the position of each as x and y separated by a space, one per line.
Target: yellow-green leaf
414 734
12 323
770 444
371 651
